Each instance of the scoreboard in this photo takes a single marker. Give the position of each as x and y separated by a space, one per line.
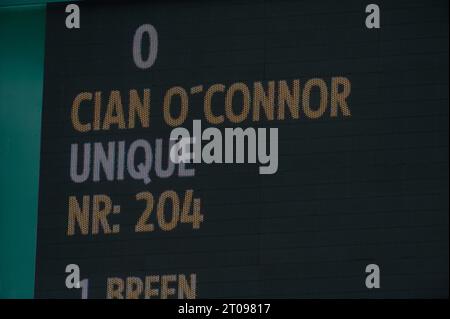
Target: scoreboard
244 149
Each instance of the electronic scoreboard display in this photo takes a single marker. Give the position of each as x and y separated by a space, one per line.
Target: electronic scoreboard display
244 149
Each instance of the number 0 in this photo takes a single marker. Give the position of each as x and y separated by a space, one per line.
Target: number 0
137 46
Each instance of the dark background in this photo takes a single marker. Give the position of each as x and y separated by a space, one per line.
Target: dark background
370 188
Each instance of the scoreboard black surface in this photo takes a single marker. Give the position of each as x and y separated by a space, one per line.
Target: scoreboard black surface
244 149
